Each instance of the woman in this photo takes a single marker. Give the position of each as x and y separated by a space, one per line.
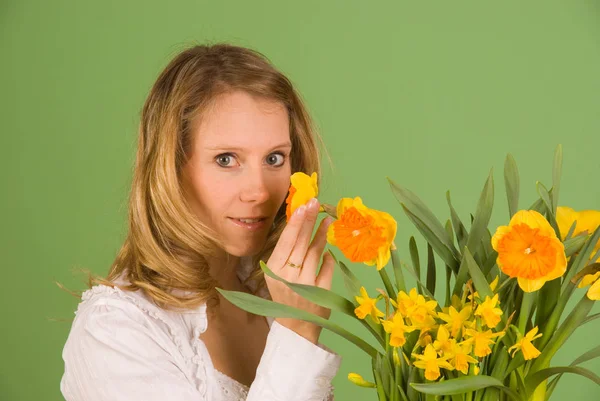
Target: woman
221 132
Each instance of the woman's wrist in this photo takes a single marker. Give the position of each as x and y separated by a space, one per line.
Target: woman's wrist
308 330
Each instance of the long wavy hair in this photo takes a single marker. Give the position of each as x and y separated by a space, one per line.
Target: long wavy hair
166 247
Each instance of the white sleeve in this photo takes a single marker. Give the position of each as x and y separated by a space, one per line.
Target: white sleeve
112 356
294 369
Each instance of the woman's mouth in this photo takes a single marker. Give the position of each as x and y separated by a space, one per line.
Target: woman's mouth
249 223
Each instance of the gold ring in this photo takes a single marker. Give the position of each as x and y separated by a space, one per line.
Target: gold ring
295 266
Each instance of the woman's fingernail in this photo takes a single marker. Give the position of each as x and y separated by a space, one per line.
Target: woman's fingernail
300 211
312 203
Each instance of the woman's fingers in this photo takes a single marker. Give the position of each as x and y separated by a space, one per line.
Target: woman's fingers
298 254
313 255
287 241
326 273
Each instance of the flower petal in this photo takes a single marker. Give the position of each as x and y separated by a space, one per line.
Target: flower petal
531 285
534 220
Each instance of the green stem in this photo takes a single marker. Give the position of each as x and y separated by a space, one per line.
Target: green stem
388 284
526 305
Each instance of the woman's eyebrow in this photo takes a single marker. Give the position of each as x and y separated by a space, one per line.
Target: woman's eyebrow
222 147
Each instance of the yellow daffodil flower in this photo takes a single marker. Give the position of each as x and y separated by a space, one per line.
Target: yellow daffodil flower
593 280
461 356
482 340
367 306
431 363
424 339
456 320
525 344
417 309
359 381
397 328
529 250
303 188
443 341
490 313
362 234
587 220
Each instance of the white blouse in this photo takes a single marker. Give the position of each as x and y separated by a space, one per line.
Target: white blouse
122 347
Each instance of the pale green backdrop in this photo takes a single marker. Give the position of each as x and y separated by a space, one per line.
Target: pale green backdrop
432 94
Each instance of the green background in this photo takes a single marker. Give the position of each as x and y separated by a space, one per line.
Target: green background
431 94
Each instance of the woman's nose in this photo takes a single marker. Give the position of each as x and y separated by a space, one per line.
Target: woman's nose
254 187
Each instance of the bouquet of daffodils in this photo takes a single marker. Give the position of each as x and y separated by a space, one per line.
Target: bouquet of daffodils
493 334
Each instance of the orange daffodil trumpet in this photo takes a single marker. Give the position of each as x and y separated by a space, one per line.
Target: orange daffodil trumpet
303 188
362 234
529 250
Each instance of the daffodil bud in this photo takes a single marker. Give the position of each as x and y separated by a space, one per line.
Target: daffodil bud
359 381
395 356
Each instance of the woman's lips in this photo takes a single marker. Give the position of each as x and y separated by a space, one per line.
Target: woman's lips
252 226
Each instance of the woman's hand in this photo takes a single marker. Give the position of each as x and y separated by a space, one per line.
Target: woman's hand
295 248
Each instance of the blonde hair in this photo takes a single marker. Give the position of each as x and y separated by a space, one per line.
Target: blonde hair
166 247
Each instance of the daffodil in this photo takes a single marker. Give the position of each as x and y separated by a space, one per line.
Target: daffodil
529 250
367 306
525 344
397 328
456 320
359 381
593 280
482 340
303 188
443 341
490 313
362 234
461 356
587 220
417 309
431 363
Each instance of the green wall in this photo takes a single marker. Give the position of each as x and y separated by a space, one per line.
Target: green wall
432 94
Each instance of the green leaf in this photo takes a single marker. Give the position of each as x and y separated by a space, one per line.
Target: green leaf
534 379
414 257
590 318
512 184
400 283
353 286
328 299
378 380
417 208
582 258
558 337
448 255
556 173
482 215
574 245
317 295
461 277
459 228
589 355
430 270
263 307
481 284
551 216
464 384
350 280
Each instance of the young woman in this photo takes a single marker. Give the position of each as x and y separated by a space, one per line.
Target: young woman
221 133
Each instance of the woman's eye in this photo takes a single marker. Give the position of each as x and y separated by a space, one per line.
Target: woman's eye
224 160
276 159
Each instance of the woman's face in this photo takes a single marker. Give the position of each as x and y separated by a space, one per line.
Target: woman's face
239 169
